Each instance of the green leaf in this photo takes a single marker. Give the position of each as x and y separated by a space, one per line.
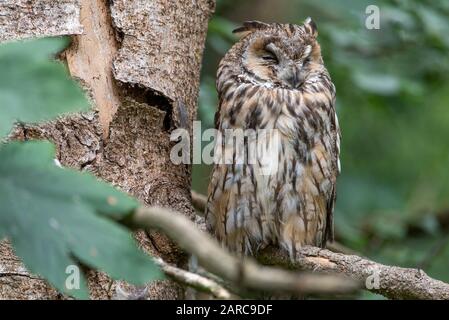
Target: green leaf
32 87
56 217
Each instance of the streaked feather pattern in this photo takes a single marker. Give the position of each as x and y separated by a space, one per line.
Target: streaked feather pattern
294 206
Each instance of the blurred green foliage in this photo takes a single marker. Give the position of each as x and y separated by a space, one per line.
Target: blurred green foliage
392 101
29 78
57 218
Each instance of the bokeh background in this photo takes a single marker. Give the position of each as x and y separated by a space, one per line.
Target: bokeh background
393 106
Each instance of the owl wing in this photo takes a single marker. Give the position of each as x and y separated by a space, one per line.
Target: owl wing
335 159
218 176
216 196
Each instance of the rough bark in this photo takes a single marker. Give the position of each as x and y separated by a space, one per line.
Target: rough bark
393 282
23 18
140 62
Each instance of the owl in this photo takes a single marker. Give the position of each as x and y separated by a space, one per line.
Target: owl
274 80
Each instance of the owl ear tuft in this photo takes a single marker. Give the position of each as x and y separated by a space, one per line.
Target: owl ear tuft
248 27
311 27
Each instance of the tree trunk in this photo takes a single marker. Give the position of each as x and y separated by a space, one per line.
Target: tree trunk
140 63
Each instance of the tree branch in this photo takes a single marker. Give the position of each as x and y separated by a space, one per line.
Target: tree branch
194 280
244 272
390 281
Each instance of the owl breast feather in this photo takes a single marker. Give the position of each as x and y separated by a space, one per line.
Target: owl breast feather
250 207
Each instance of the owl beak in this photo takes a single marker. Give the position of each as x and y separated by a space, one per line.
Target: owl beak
294 77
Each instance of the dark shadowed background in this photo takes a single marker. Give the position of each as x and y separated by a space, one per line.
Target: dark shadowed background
393 106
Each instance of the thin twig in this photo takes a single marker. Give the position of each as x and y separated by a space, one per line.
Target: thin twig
434 252
339 248
194 280
199 202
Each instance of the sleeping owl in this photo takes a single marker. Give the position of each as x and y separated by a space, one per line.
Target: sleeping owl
274 79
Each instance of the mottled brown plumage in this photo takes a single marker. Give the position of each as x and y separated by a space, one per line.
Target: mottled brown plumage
274 78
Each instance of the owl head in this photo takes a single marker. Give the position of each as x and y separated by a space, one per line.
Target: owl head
282 55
